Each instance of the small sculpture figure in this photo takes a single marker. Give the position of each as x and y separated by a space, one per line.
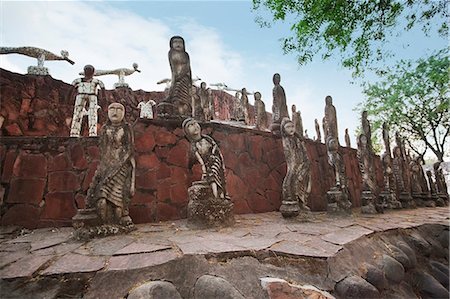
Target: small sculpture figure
386 138
297 120
220 86
416 186
365 125
112 186
121 73
306 134
433 191
87 90
261 116
367 171
197 108
324 128
404 184
245 106
209 204
178 103
347 138
297 182
206 101
441 186
318 135
146 109
41 55
331 119
238 109
279 107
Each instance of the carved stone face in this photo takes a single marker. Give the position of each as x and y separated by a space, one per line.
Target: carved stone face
193 130
328 100
89 71
203 85
276 79
257 96
332 144
116 113
289 128
178 44
293 108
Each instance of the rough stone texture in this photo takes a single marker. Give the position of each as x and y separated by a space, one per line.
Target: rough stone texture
374 276
280 289
356 287
428 286
393 269
212 287
155 290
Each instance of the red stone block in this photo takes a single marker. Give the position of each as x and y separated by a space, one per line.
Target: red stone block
179 154
163 137
30 166
196 172
178 174
40 125
271 183
162 152
8 166
141 213
231 159
163 191
63 181
89 175
236 142
258 203
166 212
255 147
219 136
77 155
59 162
145 142
274 198
163 172
26 191
93 153
245 163
147 180
21 215
237 189
59 205
147 161
25 107
80 201
13 130
179 193
142 197
179 132
273 157
241 206
253 178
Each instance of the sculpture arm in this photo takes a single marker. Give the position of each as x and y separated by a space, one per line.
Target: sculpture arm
202 163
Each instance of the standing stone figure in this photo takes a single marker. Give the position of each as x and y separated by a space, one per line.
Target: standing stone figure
416 186
121 73
178 103
209 204
441 186
297 182
238 109
365 125
113 184
347 139
297 120
245 106
279 107
206 101
331 119
324 129
197 108
401 162
318 135
86 89
40 54
146 109
366 167
261 116
433 191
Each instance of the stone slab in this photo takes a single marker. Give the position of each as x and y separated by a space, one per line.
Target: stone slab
24 267
210 247
141 248
313 248
142 260
59 249
14 247
9 257
346 235
73 263
105 246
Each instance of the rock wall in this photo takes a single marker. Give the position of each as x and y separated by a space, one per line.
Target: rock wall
45 179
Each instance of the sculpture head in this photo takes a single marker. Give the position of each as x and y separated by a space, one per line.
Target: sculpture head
257 95
364 114
346 131
64 53
332 144
276 79
177 43
203 85
135 67
89 71
362 140
244 90
287 127
329 100
397 152
192 129
293 108
436 166
237 95
116 113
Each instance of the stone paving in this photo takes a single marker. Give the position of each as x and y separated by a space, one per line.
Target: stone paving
54 251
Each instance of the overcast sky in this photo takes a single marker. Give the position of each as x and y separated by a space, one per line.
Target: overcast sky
223 41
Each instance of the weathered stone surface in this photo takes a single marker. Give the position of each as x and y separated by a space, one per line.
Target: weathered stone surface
163 137
211 287
59 205
141 248
61 181
419 243
59 162
26 191
142 260
155 290
428 286
23 215
147 161
393 269
346 235
8 165
30 166
145 142
356 287
374 276
75 263
24 267
408 251
400 256
179 154
440 272
315 248
78 157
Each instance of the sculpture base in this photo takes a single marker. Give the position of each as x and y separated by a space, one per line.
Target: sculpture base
444 198
368 206
204 210
289 209
440 202
37 70
88 225
418 199
388 200
338 202
407 200
121 85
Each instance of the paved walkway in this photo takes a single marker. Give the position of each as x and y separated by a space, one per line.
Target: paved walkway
53 251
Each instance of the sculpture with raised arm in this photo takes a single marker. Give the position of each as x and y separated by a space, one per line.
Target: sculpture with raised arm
121 73
40 54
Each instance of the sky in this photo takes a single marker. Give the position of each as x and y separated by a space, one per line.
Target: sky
224 43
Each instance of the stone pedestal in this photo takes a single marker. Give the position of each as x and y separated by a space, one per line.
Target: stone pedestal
289 209
389 201
338 202
37 70
85 218
121 85
406 200
367 200
204 210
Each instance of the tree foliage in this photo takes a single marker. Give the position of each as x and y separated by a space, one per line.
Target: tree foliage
414 100
357 29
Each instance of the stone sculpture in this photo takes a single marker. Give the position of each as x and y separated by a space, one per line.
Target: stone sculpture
86 90
401 174
146 109
261 116
297 120
207 102
112 186
365 158
279 107
347 139
441 186
178 102
238 109
365 125
245 105
197 107
338 196
331 119
297 182
324 128
121 73
209 204
416 185
433 191
318 135
40 54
